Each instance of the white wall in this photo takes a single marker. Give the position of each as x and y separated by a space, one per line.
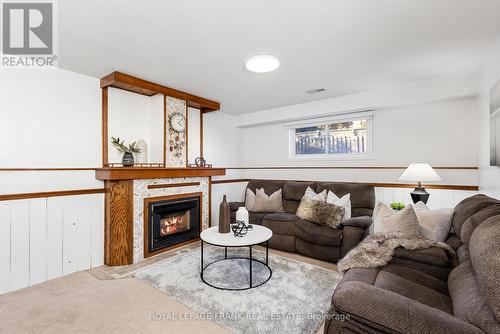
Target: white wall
222 147
193 134
49 118
489 177
442 133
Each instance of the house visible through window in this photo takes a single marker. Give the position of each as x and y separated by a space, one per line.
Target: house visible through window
343 137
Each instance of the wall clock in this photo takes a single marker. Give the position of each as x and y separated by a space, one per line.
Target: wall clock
177 122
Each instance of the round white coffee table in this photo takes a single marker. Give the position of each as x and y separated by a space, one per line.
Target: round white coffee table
258 235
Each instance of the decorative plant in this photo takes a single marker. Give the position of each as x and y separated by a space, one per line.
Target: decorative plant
120 146
398 205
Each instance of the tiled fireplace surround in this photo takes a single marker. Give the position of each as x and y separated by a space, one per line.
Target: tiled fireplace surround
141 191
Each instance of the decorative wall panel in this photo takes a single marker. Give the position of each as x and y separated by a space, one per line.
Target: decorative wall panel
176 140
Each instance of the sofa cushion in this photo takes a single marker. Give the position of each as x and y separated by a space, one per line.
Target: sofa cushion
317 234
434 256
295 190
290 206
362 196
314 250
475 220
280 223
469 303
407 288
468 207
418 277
253 217
484 249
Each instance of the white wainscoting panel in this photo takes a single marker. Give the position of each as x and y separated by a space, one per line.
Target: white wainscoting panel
46 238
439 198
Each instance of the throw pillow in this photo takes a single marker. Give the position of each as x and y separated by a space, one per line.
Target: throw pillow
250 200
388 221
319 212
311 194
434 224
344 201
272 203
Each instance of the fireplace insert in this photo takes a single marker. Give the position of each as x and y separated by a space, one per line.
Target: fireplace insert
172 221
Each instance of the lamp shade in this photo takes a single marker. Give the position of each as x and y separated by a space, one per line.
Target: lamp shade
419 172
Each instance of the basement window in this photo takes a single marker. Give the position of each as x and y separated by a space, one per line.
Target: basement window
346 136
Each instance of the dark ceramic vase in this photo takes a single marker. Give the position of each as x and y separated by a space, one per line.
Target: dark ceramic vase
224 216
128 159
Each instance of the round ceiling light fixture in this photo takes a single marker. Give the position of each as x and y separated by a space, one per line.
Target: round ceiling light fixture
262 63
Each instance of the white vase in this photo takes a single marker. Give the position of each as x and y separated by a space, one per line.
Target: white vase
242 214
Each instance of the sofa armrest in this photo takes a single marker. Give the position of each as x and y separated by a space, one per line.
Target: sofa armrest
369 304
364 222
233 206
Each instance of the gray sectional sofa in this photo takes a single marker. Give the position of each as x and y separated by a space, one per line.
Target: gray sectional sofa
295 235
420 292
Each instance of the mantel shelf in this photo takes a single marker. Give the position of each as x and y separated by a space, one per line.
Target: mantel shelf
132 173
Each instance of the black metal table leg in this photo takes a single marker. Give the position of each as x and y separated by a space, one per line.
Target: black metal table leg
201 273
250 266
267 252
225 252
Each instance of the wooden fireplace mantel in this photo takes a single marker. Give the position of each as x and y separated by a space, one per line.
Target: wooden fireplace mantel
119 204
134 173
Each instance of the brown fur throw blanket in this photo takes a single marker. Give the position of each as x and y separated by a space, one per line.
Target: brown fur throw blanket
376 250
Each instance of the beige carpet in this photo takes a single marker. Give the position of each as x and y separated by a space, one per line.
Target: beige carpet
81 303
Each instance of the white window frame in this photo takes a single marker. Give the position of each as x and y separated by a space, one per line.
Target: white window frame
351 116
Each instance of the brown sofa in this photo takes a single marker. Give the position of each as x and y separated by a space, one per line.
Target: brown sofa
409 297
295 235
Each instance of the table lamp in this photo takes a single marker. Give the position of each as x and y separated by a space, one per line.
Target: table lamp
419 172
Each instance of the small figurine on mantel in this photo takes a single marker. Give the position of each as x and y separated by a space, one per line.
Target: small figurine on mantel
200 163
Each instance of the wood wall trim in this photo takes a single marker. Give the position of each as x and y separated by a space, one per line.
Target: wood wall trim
229 181
201 133
28 169
164 131
353 167
148 88
46 169
375 184
119 223
173 185
145 220
131 173
210 201
105 126
187 135
11 197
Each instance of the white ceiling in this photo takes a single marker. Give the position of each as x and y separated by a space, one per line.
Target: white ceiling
347 46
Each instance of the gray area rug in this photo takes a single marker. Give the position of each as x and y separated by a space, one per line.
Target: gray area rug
294 300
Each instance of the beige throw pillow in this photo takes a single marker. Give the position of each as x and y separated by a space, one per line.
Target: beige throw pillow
311 194
388 221
434 224
250 200
272 203
344 201
319 212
